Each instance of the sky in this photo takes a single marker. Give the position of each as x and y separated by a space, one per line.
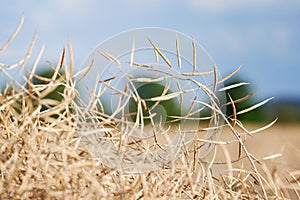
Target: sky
261 35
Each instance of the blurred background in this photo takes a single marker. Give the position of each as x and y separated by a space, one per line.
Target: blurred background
261 35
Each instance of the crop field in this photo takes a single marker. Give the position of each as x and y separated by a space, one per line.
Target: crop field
46 152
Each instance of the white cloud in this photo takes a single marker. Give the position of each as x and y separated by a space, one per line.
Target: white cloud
73 7
282 37
275 42
221 6
144 5
51 14
233 41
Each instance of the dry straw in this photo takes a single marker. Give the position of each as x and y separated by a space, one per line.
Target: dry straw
40 157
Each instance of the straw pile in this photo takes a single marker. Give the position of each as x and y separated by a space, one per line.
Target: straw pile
41 156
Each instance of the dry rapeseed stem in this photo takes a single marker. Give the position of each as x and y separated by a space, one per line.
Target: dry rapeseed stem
40 157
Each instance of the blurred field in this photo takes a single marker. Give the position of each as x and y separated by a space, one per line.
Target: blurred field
279 139
282 138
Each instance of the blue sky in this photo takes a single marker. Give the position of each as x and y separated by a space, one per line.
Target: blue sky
262 35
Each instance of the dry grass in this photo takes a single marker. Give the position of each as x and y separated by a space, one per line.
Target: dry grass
41 156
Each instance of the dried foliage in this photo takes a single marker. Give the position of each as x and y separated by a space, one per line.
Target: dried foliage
41 156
